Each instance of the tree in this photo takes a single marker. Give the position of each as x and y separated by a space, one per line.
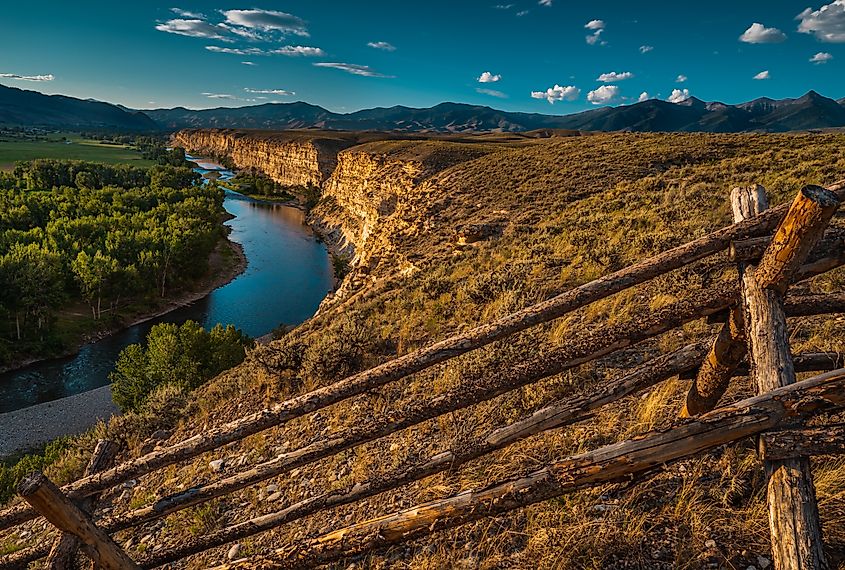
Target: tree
98 275
185 356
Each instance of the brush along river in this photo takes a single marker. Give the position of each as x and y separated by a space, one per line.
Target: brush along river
288 273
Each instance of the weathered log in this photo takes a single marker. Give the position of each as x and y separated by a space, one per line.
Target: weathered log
793 512
798 233
554 416
612 463
752 249
420 359
720 364
802 306
64 549
729 348
48 500
803 442
578 350
20 560
803 362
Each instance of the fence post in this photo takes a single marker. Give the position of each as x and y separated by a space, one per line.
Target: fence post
64 549
48 500
793 512
730 346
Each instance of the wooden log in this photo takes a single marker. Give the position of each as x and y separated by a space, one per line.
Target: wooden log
793 512
798 233
421 359
553 416
752 249
48 500
804 362
612 463
20 560
729 348
803 442
802 306
578 350
64 549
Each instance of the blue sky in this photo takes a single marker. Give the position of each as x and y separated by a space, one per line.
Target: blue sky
551 56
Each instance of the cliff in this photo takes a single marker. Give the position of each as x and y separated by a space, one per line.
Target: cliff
291 159
371 193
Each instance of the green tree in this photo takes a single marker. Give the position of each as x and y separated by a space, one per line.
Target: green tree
184 356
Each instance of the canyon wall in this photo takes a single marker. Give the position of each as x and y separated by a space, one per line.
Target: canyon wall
375 195
290 159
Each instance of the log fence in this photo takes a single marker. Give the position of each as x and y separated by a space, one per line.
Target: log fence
772 248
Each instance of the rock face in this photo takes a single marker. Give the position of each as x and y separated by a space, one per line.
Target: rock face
362 194
371 194
289 159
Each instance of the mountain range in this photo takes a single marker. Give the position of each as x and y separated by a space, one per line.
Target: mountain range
31 108
811 111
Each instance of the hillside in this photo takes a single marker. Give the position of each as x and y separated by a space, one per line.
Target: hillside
447 234
31 108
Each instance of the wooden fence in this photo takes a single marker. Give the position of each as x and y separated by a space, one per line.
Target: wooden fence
772 248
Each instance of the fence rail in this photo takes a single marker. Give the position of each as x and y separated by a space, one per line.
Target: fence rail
754 333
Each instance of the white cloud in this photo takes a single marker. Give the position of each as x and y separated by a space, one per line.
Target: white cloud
488 77
186 14
382 45
646 49
284 50
266 21
522 12
760 34
821 57
283 92
557 93
503 6
220 96
604 95
597 26
491 92
16 77
300 50
681 78
827 23
249 63
236 51
354 69
678 96
194 28
644 96
545 2
763 75
614 76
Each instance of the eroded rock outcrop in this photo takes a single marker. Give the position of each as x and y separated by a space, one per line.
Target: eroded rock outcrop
289 158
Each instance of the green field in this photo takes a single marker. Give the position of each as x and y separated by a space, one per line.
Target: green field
13 149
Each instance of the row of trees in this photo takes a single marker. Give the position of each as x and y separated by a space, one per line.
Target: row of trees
101 233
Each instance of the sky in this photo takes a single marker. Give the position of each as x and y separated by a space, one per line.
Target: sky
546 56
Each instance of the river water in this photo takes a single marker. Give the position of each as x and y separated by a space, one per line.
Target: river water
288 273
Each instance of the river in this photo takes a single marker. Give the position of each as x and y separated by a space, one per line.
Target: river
288 273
